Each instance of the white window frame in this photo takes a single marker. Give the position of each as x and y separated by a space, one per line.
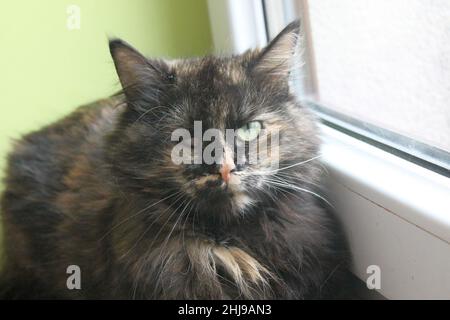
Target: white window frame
396 214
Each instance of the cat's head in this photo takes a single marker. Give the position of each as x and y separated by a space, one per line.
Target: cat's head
249 93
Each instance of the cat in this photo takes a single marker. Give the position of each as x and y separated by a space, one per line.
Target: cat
99 190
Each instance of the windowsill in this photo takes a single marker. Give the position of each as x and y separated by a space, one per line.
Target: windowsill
396 215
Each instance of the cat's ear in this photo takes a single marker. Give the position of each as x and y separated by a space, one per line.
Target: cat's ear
139 76
278 58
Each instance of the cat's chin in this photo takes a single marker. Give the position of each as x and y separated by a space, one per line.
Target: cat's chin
242 201
227 200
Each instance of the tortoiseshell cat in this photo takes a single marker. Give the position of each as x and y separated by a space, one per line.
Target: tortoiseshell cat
99 190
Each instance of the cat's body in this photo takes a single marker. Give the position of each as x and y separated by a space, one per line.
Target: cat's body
97 190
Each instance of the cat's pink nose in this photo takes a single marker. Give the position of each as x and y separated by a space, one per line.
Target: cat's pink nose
225 171
227 166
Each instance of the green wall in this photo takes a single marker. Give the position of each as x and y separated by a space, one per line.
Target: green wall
47 70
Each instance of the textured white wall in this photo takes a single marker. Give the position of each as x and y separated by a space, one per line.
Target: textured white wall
386 62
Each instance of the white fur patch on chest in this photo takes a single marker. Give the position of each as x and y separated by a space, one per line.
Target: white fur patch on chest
247 274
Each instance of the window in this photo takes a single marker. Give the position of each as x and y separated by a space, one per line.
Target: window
380 69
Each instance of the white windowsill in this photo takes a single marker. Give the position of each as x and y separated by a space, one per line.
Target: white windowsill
396 215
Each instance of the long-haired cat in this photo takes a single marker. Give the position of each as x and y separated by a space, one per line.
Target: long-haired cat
99 190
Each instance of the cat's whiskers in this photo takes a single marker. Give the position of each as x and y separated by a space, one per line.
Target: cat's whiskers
151 224
277 179
166 241
283 183
268 172
289 177
278 189
145 257
147 112
174 226
193 218
183 229
136 214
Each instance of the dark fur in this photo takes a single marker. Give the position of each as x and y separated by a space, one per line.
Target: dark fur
79 192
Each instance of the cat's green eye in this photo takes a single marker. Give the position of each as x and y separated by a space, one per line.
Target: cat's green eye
250 131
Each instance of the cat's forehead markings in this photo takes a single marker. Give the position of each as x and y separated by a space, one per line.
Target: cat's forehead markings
230 69
234 73
173 62
268 116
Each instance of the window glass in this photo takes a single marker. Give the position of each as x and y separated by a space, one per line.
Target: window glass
386 62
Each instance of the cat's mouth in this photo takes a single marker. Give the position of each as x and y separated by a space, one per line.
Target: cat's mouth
213 188
216 182
214 192
210 181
